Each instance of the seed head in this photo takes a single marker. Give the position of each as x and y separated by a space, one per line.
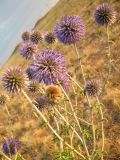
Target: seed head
93 87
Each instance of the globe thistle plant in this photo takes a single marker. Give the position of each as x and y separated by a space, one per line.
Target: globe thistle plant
35 37
34 87
3 99
27 50
41 103
11 146
70 29
54 93
105 14
64 81
14 79
93 87
25 36
48 67
29 73
50 38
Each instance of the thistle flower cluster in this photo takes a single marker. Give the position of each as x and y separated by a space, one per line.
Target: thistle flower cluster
27 50
14 79
93 87
34 87
105 14
11 146
41 103
29 73
35 37
50 38
70 29
3 99
49 67
54 93
25 36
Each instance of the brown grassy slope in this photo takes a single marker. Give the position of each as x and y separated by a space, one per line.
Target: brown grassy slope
93 49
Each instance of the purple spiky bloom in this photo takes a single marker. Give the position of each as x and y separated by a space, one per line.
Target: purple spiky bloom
50 38
41 103
105 14
3 99
93 87
25 36
29 73
70 29
48 67
35 37
11 146
64 81
27 50
14 79
34 87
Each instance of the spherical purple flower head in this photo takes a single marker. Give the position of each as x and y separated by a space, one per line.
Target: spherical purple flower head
29 73
41 103
27 50
48 67
105 14
25 36
35 37
70 29
34 87
11 146
14 79
93 87
50 38
3 99
64 81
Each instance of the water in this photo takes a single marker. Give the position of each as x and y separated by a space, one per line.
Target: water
17 16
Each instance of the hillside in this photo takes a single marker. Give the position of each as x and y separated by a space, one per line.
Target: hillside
93 49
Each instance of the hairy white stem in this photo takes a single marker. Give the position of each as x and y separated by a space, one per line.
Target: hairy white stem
50 127
102 126
83 74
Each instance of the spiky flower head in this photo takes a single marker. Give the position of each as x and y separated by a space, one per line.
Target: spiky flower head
70 29
27 50
41 102
48 67
64 81
50 38
105 14
34 87
35 37
29 73
14 79
93 87
11 146
54 93
25 36
3 99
